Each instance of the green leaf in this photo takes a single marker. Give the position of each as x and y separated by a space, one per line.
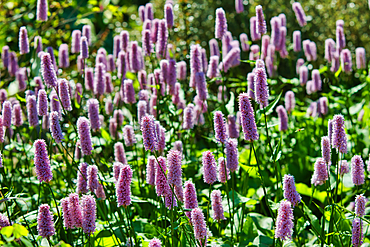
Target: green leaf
357 88
307 191
230 105
323 69
19 231
268 108
7 231
252 62
338 72
105 135
20 98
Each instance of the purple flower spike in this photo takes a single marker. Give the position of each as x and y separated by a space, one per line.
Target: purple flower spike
129 92
339 139
239 8
261 23
99 80
64 94
174 168
17 116
346 60
24 46
360 205
284 222
93 112
147 43
297 41
188 117
220 127
88 206
55 129
168 14
299 13
161 45
261 87
21 77
283 118
209 168
190 197
42 163
221 23
199 225
325 149
129 135
341 39
150 170
123 190
232 127
247 118
244 42
42 10
83 126
358 171
75 210
148 131
68 221
82 179
320 174
47 70
303 75
223 171
92 177
155 242
218 211
149 11
201 85
232 162
7 114
232 56
45 223
213 48
357 232
290 192
360 58
253 29
42 103
5 55
161 185
38 44
33 119
141 11
76 41
119 153
289 101
63 56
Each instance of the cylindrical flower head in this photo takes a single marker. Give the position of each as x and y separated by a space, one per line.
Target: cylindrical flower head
335 63
78 92
168 14
190 197
45 223
150 170
346 60
84 46
181 70
188 117
24 46
155 242
357 169
129 135
247 118
213 48
289 101
357 232
284 221
344 167
42 163
89 79
275 32
119 153
316 79
261 87
21 77
162 37
199 225
243 41
161 140
204 59
2 130
232 55
75 210
86 31
264 46
42 10
239 8
99 80
82 179
297 41
313 51
118 115
290 192
329 49
303 75
220 127
5 56
232 162
63 56
13 63
33 119
218 211
38 44
110 63
141 11
83 126
42 103
149 11
320 174
7 114
341 39
76 41
92 177
232 127
129 97
174 174
55 129
283 118
323 105
209 168
117 170
223 170
123 186
17 116
360 58
47 70
67 216
283 52
299 64
201 85
161 185
147 43
64 94
299 13
251 87
325 149
88 206
339 139
360 205
261 23
148 132
100 192
221 23
171 80
93 113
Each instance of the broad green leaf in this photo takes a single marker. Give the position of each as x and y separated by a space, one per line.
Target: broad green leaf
7 231
307 191
19 231
338 72
230 105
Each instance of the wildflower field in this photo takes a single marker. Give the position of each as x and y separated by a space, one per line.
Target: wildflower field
184 123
